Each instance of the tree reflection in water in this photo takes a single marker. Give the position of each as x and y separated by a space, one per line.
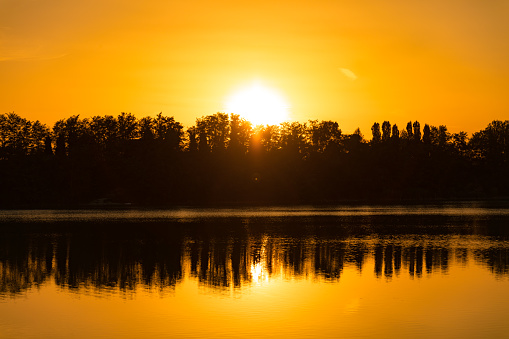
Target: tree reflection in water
235 253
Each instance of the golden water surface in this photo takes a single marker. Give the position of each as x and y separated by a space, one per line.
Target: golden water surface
235 273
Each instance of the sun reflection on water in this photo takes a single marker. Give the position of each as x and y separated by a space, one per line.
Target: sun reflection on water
259 273
258 267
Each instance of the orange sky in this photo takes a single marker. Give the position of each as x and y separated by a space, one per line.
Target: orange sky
355 62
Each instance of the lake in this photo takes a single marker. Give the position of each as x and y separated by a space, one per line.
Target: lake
415 271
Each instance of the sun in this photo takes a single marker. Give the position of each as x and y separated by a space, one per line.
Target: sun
258 104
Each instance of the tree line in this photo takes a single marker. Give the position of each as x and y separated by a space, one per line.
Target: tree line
224 159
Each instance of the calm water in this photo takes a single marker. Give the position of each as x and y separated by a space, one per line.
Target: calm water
363 271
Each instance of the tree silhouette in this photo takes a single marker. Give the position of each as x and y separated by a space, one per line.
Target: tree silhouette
266 138
395 132
409 131
223 159
426 134
20 137
192 137
386 131
324 135
417 131
375 130
168 132
460 142
127 126
293 137
146 128
240 134
492 143
215 129
443 136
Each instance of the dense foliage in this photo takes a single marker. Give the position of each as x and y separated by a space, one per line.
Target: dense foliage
224 159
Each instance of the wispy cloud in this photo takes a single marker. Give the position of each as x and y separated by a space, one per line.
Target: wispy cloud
348 73
16 48
29 55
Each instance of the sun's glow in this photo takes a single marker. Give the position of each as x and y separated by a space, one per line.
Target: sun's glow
258 104
259 273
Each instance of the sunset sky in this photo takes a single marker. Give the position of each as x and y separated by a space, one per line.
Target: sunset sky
354 62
